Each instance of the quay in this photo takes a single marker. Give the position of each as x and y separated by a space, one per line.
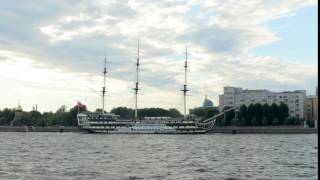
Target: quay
264 130
39 129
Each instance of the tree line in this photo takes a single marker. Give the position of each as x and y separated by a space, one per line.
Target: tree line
260 115
128 113
252 115
64 117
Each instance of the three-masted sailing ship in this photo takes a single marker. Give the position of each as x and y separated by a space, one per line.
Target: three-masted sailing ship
104 122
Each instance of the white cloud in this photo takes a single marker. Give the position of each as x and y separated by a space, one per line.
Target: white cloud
36 83
219 34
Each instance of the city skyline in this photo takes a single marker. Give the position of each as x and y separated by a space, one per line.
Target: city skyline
52 53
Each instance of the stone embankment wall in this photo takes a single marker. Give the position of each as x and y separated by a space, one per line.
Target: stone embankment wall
264 130
38 129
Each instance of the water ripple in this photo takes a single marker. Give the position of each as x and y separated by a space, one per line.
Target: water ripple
131 157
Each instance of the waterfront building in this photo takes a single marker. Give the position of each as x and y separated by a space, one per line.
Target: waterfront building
237 96
311 108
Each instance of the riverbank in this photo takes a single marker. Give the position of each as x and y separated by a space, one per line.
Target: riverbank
38 129
226 130
264 130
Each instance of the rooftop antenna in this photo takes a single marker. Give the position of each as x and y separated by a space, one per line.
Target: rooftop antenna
185 89
104 83
136 89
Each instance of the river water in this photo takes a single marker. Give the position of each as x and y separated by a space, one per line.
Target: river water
212 156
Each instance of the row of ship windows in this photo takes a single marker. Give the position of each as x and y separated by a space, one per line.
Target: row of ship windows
133 129
168 122
186 127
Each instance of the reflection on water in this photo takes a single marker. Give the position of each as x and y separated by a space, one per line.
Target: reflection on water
212 156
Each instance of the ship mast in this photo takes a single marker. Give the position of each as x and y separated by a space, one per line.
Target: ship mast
104 83
185 89
136 89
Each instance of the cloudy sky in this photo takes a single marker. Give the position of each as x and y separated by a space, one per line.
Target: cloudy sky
51 52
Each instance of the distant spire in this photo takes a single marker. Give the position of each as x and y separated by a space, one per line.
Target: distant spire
19 108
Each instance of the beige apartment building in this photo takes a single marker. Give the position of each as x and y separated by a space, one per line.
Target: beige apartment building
237 96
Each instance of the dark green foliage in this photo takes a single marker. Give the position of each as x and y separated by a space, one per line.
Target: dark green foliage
258 113
173 112
298 121
235 122
273 111
123 112
199 112
254 122
265 121
210 112
255 114
275 122
266 114
243 113
243 122
6 116
62 117
250 114
310 122
34 118
293 121
287 121
204 113
221 122
283 112
153 112
229 116
127 113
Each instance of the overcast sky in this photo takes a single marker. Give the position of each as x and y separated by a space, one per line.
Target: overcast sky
51 52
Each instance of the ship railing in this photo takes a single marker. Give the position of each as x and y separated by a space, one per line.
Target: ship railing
210 122
207 126
218 115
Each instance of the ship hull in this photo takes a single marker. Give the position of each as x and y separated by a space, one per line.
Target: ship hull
109 124
116 132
